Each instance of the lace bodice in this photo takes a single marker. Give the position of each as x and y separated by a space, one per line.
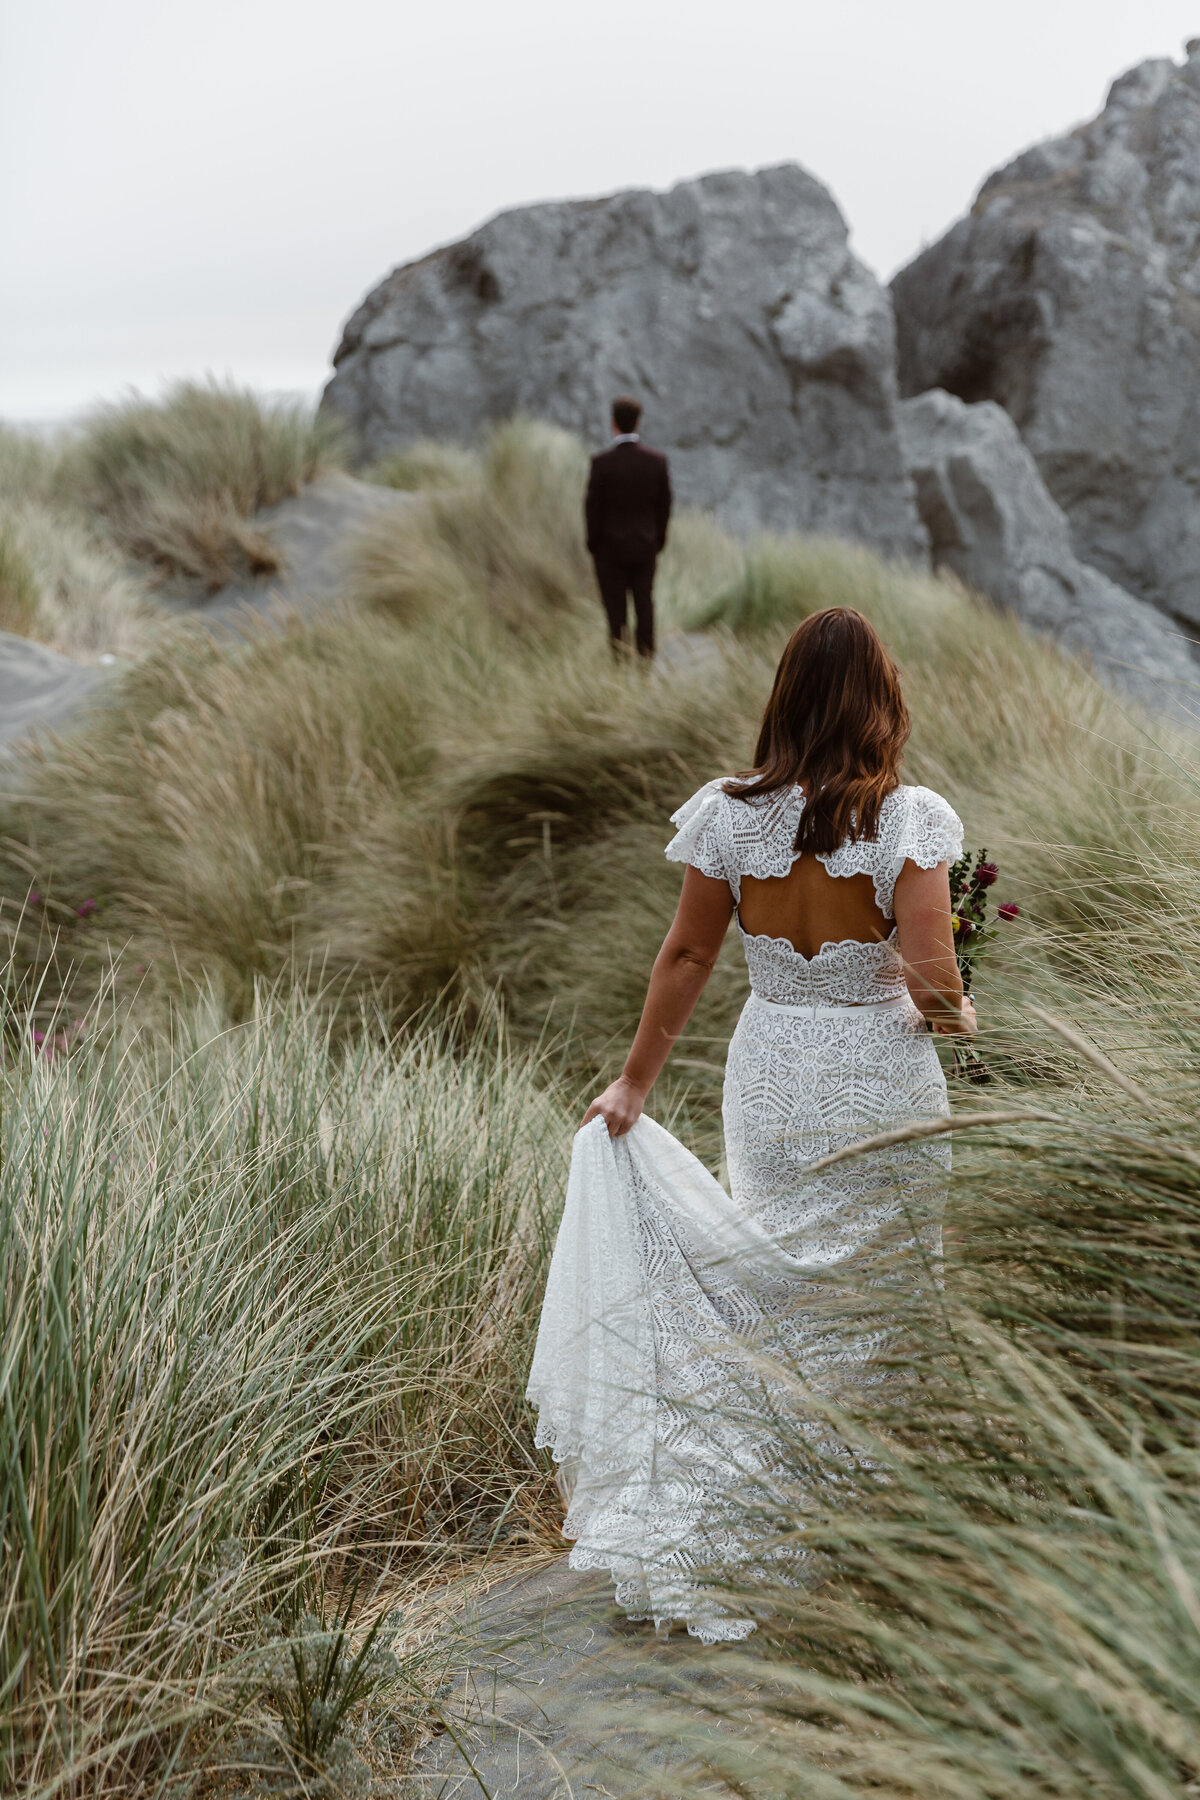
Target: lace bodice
728 838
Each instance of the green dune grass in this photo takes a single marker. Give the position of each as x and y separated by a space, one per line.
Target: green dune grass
447 788
262 1304
356 911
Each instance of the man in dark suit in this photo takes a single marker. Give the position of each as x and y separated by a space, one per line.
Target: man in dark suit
627 508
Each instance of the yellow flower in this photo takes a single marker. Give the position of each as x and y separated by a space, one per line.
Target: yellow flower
957 924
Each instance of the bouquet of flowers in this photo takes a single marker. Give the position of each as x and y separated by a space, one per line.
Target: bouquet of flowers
970 878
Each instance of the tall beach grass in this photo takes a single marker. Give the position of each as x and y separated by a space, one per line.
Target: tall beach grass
274 1258
266 1313
448 786
65 586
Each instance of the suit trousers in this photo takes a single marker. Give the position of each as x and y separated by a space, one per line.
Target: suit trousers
619 579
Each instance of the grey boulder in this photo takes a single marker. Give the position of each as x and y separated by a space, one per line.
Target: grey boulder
1071 295
732 305
991 520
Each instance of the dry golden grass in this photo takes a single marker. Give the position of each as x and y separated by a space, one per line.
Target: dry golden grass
64 586
174 481
446 791
262 1307
449 786
144 493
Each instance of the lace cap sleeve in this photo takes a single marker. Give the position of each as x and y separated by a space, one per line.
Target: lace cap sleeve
917 825
702 837
933 831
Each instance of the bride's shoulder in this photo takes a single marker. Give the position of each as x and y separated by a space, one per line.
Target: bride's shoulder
912 797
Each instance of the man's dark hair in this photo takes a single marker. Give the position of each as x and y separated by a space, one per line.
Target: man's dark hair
625 413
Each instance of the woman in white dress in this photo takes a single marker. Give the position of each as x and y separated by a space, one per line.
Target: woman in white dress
664 1290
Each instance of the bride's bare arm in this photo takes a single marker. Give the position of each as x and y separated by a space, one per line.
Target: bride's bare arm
921 903
681 968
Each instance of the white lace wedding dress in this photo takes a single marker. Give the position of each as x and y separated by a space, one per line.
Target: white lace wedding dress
664 1290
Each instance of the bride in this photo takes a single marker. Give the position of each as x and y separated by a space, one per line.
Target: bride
668 1297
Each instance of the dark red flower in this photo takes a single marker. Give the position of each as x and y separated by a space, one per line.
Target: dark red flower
1009 910
985 874
86 908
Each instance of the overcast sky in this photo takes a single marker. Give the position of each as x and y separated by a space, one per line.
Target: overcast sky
192 187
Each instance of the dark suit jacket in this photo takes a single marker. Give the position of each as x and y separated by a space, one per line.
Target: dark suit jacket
628 503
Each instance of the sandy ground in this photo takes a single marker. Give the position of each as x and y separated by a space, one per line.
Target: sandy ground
38 687
550 1681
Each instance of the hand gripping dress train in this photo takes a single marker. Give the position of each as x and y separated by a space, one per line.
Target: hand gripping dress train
662 1286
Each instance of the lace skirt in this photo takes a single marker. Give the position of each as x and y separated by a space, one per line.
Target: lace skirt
679 1319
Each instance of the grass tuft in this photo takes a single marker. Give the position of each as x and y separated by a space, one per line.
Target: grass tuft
175 481
507 541
425 467
64 586
145 494
19 593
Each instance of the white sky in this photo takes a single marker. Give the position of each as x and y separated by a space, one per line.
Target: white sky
192 186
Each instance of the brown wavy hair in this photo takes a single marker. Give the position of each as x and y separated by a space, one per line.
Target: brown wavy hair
836 723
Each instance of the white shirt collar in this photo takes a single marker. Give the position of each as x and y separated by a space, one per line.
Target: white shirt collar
627 437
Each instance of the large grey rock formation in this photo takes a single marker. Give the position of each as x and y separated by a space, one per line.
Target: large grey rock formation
1071 295
732 305
991 520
